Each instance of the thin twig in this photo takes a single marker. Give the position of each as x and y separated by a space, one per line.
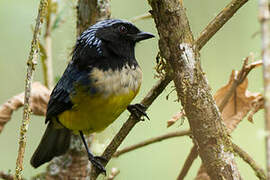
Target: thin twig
151 141
141 17
31 63
193 154
113 174
218 22
248 159
264 20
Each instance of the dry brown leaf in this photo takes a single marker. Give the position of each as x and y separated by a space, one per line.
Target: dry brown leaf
257 104
38 103
238 105
175 118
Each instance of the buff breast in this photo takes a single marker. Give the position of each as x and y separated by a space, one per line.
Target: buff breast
115 90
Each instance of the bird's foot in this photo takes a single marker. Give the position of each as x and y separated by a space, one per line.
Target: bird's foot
97 162
138 110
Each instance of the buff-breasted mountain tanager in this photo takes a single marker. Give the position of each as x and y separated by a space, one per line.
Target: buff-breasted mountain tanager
99 83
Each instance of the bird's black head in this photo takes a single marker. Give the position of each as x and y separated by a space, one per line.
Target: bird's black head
115 30
112 37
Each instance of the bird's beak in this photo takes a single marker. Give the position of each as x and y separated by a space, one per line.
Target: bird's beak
142 36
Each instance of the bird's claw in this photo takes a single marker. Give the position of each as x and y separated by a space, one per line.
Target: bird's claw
96 161
137 110
101 159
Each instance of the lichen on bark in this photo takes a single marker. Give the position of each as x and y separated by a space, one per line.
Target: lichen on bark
176 46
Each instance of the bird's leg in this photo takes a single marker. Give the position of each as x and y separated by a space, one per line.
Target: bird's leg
95 160
137 110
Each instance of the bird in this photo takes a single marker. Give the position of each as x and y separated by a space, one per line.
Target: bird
98 84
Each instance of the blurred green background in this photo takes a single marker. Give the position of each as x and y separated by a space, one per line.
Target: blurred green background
224 52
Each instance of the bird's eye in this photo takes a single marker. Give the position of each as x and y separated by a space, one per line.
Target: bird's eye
122 29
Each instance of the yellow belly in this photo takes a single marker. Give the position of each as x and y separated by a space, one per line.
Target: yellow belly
94 113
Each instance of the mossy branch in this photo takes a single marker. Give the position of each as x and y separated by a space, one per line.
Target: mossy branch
31 63
210 135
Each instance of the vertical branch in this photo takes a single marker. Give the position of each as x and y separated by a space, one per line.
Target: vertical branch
47 61
91 11
264 20
176 46
31 63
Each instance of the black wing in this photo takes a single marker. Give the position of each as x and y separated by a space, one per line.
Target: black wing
86 54
60 97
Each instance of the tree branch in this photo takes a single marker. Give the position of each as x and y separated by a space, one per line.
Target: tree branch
219 21
241 76
248 159
141 17
31 63
193 154
47 60
238 80
192 88
151 141
89 12
113 174
264 20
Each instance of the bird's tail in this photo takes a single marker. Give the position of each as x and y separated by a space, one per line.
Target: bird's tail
54 142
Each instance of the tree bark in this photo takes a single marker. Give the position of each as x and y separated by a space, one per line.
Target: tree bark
91 11
177 47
